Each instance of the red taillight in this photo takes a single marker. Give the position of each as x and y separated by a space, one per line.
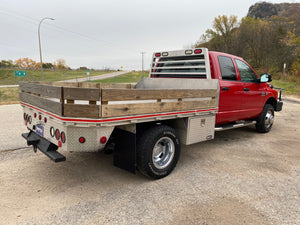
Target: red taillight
158 54
81 139
103 140
34 115
57 134
45 120
40 117
59 144
198 51
63 137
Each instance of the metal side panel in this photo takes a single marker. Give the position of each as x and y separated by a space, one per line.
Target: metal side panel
195 129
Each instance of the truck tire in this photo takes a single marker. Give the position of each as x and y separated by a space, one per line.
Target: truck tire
158 151
266 119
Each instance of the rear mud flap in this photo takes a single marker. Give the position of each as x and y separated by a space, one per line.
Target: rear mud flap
45 146
125 150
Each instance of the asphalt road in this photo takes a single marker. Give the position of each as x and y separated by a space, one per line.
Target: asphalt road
241 177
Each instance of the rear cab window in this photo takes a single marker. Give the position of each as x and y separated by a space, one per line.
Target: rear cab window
227 68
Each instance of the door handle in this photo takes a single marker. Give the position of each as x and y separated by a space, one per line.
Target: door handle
246 89
225 88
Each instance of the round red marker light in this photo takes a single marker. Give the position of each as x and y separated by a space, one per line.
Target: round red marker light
103 140
81 139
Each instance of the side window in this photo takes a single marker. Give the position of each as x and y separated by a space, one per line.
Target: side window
246 73
227 68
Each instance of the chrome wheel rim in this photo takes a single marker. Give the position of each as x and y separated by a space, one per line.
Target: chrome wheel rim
269 120
163 152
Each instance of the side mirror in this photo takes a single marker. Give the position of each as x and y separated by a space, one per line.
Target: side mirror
265 78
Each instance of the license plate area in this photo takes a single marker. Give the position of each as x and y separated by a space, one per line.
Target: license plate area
39 130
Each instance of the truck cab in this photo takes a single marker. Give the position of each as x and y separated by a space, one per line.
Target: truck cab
242 95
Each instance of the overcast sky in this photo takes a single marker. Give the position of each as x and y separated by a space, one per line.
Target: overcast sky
107 33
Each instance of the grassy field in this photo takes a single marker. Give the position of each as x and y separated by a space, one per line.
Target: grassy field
10 95
7 76
131 77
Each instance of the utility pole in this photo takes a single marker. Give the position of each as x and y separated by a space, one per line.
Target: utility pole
143 63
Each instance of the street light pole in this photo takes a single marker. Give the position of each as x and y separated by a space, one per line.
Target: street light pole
40 44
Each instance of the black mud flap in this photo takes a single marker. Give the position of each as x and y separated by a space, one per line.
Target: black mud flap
125 150
45 146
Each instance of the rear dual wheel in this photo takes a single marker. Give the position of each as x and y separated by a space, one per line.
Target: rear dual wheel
158 151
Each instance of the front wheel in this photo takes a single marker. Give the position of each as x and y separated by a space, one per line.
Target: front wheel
158 151
265 120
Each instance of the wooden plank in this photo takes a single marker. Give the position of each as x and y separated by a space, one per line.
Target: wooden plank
117 85
64 84
41 89
51 106
86 111
159 107
148 94
89 85
81 93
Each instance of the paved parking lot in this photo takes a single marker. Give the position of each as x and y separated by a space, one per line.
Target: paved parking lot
241 177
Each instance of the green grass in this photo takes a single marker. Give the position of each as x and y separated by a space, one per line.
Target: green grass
131 77
290 87
7 76
9 95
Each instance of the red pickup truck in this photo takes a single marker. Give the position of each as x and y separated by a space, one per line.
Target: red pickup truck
188 96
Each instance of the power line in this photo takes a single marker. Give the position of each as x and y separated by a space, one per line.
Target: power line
60 28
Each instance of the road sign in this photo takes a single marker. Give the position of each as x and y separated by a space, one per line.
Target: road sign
19 73
88 72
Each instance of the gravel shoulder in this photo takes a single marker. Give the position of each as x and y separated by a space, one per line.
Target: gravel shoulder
241 177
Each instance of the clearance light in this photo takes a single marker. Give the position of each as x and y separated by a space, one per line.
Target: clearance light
103 140
63 137
165 54
57 134
52 131
198 51
59 144
34 115
40 117
157 54
81 139
188 52
45 120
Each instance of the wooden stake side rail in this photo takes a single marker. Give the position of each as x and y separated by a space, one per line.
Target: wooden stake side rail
59 98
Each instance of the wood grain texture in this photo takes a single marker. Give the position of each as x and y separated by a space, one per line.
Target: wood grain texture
43 103
81 93
41 89
158 107
148 94
86 111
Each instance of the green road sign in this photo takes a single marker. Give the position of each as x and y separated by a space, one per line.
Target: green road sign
19 73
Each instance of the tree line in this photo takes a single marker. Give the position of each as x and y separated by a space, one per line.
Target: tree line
266 43
30 63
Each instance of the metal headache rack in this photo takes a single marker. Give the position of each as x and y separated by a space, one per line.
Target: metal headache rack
192 63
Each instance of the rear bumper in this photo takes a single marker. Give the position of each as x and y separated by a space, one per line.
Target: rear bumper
278 107
45 146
